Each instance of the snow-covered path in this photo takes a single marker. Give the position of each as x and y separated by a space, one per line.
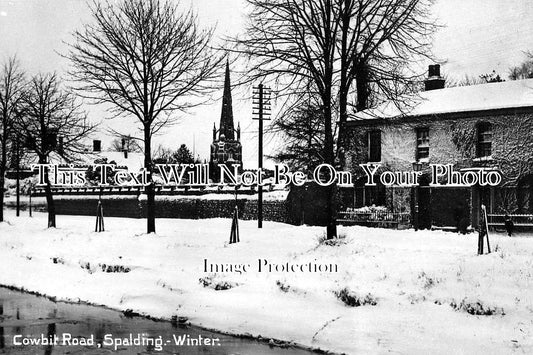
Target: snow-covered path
426 286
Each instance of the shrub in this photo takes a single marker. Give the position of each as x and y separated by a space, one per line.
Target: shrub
428 282
58 260
340 240
283 286
114 268
476 308
217 285
352 299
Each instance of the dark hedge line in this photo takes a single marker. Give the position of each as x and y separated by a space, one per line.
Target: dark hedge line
176 208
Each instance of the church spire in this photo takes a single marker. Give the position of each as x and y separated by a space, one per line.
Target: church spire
226 117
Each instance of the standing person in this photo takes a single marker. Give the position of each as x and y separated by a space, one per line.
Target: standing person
509 225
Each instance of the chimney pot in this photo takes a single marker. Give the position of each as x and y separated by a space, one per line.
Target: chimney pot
434 80
434 70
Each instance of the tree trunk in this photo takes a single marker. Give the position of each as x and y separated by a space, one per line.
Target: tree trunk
343 117
344 85
2 178
332 212
331 208
50 205
2 183
149 189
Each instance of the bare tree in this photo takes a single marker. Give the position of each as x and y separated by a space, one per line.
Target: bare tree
469 80
378 42
335 48
523 70
11 89
293 42
53 126
145 59
163 155
125 143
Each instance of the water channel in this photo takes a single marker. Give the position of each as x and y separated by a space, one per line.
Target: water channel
26 319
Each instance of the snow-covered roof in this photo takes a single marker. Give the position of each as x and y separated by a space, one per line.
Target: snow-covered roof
491 96
134 161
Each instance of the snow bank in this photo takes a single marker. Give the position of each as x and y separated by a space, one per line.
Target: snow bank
394 291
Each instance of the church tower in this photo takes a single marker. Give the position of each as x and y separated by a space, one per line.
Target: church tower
226 147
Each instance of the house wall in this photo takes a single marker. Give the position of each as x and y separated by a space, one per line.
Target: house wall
453 140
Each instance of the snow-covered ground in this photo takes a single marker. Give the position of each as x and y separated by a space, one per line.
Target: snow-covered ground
421 289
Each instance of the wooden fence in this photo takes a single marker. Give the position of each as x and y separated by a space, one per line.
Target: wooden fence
374 219
159 189
519 220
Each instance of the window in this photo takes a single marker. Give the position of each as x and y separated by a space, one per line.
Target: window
484 139
374 146
221 155
422 143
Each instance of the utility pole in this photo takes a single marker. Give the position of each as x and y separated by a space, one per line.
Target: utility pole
260 111
18 177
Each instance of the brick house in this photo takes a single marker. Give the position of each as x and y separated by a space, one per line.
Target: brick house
488 125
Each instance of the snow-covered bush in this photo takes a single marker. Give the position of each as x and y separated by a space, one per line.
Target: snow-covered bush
476 307
85 265
352 299
283 286
416 298
114 268
340 240
58 260
217 285
428 281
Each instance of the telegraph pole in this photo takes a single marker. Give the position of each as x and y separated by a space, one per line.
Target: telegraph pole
261 111
18 176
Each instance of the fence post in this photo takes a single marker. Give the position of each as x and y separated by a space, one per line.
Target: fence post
99 215
234 234
483 232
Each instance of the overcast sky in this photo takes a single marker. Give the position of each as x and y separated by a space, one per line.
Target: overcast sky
478 36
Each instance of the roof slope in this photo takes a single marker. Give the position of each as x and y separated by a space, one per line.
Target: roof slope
491 96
